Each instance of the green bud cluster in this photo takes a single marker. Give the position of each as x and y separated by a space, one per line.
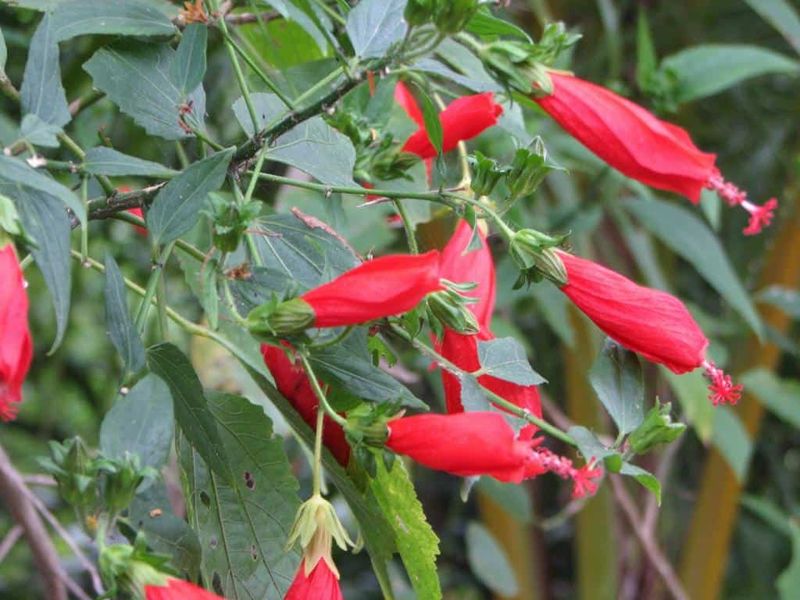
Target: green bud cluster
230 221
277 319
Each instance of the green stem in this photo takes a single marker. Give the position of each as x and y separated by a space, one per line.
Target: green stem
258 70
321 84
152 286
317 466
323 401
85 224
517 411
408 226
73 147
181 244
252 248
203 137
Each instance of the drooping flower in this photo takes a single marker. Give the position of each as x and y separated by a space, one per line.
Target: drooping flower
16 345
642 146
383 287
653 323
463 119
321 583
177 589
292 382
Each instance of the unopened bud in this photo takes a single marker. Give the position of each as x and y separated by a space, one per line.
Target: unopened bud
486 174
533 250
450 308
451 16
528 169
285 318
657 428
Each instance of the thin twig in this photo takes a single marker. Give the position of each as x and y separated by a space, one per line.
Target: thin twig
15 495
244 18
649 545
10 540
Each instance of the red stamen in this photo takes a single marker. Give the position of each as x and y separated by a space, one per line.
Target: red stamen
760 216
721 388
583 479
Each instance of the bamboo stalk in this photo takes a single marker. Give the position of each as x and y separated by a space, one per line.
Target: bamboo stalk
595 541
705 551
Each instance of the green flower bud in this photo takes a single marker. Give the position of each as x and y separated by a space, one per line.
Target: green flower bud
487 173
122 477
451 16
528 169
657 428
419 12
230 221
533 251
450 308
74 471
282 319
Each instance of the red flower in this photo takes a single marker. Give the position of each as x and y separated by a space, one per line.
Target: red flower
320 584
292 382
16 345
463 119
383 287
177 589
464 444
137 212
642 146
651 322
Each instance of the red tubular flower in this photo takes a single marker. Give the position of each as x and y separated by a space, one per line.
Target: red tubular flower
320 584
292 382
463 119
16 345
642 146
383 287
177 589
137 212
651 322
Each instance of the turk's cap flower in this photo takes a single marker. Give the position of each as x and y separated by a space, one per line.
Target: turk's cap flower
177 589
317 582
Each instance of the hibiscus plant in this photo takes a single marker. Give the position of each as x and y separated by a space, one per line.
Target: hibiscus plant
305 226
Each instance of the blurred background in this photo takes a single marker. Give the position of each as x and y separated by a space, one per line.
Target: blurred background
728 526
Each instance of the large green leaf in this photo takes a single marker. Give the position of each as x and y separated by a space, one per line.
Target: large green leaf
101 160
190 405
189 65
289 11
374 26
312 146
18 171
42 93
708 69
782 16
141 422
243 524
489 562
689 237
121 329
131 17
780 396
139 79
505 359
644 477
45 220
38 132
417 543
616 377
177 206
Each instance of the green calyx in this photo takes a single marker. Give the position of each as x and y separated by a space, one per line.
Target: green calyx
536 257
449 306
657 428
280 319
316 516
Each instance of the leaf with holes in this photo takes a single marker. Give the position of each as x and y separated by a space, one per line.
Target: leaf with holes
243 524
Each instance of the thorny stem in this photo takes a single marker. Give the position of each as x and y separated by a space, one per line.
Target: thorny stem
495 398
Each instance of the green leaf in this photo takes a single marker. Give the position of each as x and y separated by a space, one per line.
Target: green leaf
191 408
177 206
691 389
42 93
711 68
46 221
417 543
782 16
289 11
189 64
312 146
784 298
121 329
589 445
18 171
243 524
132 17
489 562
308 253
789 580
141 422
486 25
3 52
151 512
38 132
780 396
732 440
554 307
646 59
689 237
514 498
138 78
617 379
107 161
644 477
430 117
374 26
505 359
769 512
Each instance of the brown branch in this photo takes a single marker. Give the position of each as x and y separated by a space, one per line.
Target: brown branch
649 545
15 495
10 541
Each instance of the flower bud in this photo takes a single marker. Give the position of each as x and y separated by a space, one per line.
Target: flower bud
74 471
533 252
123 477
451 16
451 309
419 12
487 173
230 221
528 169
657 428
282 319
